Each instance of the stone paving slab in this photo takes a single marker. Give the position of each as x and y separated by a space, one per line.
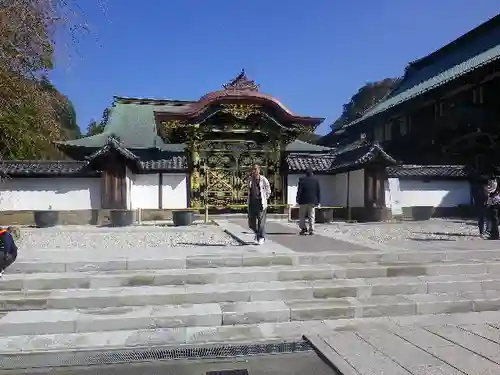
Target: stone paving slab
288 237
393 350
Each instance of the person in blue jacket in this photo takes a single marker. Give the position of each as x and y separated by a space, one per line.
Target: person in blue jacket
8 249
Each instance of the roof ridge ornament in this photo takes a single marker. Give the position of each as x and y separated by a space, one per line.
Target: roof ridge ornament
241 83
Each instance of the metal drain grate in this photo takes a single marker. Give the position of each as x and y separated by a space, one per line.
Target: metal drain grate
88 358
228 372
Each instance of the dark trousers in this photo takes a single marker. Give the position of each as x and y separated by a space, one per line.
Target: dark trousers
257 219
6 260
483 220
493 211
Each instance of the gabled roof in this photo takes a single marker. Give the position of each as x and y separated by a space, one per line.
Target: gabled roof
358 157
471 51
113 144
428 171
48 168
133 122
163 162
316 162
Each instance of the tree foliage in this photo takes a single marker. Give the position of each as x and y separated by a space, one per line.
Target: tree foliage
33 113
94 127
366 97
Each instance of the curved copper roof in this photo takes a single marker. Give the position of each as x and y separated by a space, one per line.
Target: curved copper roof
240 88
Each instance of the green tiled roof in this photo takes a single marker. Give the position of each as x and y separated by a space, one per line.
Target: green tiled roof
135 126
464 59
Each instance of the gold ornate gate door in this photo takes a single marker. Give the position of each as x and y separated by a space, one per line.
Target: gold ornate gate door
227 174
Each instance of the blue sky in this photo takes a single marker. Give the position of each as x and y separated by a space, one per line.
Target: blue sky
311 55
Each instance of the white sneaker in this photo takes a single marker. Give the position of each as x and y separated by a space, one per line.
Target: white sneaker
1 274
261 241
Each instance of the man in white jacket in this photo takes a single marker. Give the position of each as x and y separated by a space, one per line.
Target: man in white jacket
259 191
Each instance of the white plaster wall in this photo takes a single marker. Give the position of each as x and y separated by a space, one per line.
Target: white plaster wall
145 191
19 194
388 196
357 188
333 189
434 193
129 177
174 191
339 193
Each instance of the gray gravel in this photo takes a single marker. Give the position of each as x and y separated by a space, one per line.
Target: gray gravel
434 229
87 237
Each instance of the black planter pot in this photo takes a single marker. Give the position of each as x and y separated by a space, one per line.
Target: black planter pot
121 218
182 218
373 214
418 213
46 219
324 215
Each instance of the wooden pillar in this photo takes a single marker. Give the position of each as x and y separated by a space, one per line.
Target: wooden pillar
374 186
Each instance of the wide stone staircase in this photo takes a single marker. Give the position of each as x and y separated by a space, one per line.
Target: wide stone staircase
227 295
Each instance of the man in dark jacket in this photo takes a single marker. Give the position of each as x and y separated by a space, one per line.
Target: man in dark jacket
8 249
308 197
480 197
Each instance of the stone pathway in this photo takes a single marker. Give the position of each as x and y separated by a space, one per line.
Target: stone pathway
288 236
391 349
56 302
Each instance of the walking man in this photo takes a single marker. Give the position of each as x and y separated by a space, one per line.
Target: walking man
493 203
480 197
8 249
259 191
308 198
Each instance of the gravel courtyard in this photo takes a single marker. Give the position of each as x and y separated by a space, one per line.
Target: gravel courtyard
430 234
87 237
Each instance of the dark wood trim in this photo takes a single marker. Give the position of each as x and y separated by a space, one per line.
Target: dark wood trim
374 189
160 190
348 182
114 192
188 189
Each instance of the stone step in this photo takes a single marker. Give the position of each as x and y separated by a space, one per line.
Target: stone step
28 351
196 276
83 262
241 292
39 322
107 279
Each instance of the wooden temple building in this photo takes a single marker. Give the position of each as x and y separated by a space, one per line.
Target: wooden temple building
444 111
416 147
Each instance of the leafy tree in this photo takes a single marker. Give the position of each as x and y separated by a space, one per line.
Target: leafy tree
95 127
366 97
65 111
32 112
